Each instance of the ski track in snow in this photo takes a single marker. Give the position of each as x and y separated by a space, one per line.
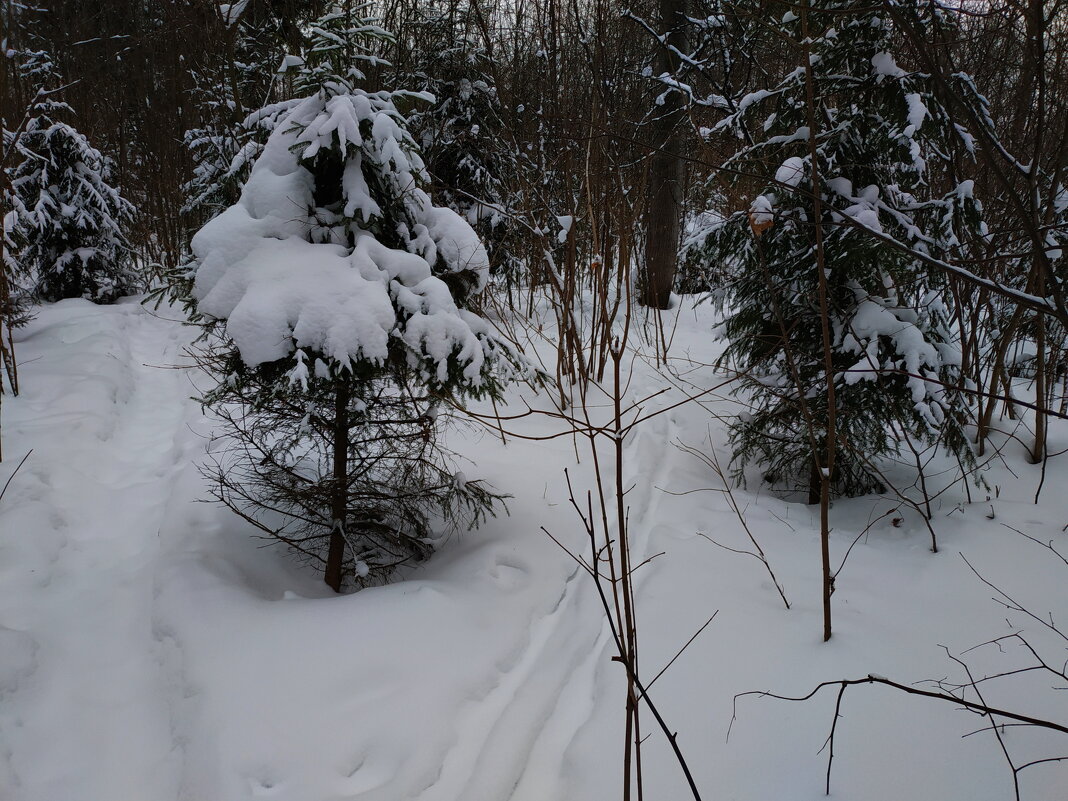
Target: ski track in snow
579 697
562 671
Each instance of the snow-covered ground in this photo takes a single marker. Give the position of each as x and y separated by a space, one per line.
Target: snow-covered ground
151 649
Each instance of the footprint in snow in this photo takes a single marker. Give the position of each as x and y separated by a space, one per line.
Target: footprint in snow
264 786
509 574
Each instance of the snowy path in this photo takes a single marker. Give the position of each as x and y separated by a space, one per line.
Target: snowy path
105 472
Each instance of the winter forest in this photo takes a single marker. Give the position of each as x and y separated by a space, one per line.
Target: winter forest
534 400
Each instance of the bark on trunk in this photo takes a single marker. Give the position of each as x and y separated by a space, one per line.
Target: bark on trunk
339 497
815 482
666 170
1038 448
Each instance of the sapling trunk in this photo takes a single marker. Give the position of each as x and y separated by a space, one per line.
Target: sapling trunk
826 470
339 494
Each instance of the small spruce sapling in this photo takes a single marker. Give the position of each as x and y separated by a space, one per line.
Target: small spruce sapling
338 291
461 134
232 121
65 228
882 139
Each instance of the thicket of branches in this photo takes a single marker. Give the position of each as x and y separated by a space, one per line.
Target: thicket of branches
577 102
586 142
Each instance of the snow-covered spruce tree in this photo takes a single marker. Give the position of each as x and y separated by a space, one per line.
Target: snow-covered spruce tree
339 291
461 135
229 97
880 140
66 234
217 146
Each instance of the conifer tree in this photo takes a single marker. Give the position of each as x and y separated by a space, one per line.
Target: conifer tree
217 147
339 291
65 232
880 143
239 101
468 152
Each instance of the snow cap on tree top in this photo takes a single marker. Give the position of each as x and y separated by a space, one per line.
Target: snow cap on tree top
335 249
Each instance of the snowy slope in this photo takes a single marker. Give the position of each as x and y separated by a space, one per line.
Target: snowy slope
150 648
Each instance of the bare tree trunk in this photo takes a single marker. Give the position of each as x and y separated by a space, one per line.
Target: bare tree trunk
339 500
1035 70
986 415
815 482
1038 448
666 170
